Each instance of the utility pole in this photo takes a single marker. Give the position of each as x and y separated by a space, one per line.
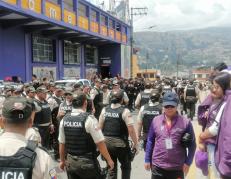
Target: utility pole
135 12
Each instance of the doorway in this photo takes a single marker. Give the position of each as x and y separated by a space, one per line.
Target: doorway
105 71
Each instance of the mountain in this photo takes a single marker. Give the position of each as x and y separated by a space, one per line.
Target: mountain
194 48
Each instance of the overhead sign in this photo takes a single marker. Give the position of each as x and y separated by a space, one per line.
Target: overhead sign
33 5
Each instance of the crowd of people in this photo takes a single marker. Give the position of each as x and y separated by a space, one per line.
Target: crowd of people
80 122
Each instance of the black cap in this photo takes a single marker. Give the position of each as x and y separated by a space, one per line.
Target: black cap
220 66
116 96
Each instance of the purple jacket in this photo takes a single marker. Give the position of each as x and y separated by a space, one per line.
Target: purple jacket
223 148
212 106
170 159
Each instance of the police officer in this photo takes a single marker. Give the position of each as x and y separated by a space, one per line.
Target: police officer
54 102
66 106
116 88
147 113
30 92
130 90
190 97
143 97
18 157
97 97
117 123
90 104
79 136
43 118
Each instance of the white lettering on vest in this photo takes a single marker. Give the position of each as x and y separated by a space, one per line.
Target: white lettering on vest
108 114
12 175
72 124
152 112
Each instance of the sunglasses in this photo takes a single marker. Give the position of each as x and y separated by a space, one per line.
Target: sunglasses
169 106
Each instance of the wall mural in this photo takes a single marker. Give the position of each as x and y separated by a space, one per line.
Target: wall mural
45 72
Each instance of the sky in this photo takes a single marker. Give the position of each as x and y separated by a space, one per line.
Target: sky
168 15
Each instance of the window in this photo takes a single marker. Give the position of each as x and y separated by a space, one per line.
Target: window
152 75
54 1
43 49
103 20
91 55
123 30
118 27
71 53
111 24
139 75
93 15
199 75
82 10
68 4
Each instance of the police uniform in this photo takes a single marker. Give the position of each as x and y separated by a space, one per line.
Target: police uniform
190 96
142 98
114 120
20 159
79 131
145 116
54 103
125 97
42 121
66 107
97 97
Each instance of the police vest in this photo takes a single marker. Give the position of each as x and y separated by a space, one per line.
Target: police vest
144 98
54 112
43 116
78 141
66 108
149 113
190 91
114 125
166 89
98 98
20 165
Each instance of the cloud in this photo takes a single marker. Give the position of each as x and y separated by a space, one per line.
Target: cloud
170 15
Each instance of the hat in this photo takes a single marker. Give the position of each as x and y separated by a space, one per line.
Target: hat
220 66
68 92
170 99
31 89
16 109
115 82
41 89
201 160
58 88
98 80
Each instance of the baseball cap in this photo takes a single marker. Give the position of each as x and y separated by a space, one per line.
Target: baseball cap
201 160
17 109
41 89
98 80
31 89
115 82
170 99
220 66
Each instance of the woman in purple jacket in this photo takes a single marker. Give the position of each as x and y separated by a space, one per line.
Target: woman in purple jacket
208 115
165 153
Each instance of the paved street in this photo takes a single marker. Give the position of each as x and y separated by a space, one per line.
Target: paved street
138 171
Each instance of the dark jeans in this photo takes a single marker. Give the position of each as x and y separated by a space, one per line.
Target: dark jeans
82 167
121 154
159 173
44 132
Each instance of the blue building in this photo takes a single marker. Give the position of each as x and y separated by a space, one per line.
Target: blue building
61 38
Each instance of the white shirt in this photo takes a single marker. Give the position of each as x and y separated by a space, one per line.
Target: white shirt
91 126
10 144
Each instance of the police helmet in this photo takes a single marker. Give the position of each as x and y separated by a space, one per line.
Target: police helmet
116 96
154 95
